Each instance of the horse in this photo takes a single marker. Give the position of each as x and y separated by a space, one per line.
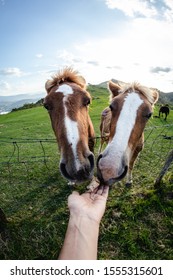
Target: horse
67 102
104 127
131 107
164 110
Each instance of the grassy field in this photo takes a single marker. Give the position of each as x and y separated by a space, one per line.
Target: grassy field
138 222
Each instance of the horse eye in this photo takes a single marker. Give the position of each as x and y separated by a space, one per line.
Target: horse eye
111 107
86 101
47 106
148 116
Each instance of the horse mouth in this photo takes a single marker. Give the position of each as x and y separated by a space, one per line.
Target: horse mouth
111 181
83 174
117 179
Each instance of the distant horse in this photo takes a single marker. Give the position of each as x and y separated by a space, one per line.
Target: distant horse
131 107
164 110
67 103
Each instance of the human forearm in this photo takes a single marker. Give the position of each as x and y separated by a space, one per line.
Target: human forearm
81 239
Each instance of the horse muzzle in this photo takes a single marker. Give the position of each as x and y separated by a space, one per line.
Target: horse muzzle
108 175
85 172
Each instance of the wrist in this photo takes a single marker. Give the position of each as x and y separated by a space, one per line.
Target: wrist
83 220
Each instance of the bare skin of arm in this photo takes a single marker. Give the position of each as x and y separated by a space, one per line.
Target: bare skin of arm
86 211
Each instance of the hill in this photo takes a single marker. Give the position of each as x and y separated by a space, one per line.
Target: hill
7 103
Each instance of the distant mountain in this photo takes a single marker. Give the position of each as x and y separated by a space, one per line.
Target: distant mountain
7 103
104 84
166 97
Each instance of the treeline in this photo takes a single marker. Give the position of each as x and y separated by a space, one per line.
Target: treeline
29 105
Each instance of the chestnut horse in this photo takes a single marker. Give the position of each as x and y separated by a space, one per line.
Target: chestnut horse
105 127
67 103
131 107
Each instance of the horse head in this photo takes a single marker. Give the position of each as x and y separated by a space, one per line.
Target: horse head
67 103
131 106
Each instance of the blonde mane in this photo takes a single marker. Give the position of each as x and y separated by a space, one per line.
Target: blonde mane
66 75
150 94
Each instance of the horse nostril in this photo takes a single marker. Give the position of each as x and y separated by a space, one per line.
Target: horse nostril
99 157
91 160
64 172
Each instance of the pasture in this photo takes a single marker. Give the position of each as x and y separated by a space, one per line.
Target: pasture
138 222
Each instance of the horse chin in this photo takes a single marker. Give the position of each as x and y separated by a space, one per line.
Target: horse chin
119 178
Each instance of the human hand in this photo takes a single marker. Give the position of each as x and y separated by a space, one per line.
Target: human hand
90 204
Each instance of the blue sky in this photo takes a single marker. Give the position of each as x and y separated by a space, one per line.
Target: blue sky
102 39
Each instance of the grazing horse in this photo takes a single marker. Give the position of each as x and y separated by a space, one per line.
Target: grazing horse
67 103
164 110
131 107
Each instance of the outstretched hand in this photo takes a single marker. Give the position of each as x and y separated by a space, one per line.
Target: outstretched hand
86 211
89 204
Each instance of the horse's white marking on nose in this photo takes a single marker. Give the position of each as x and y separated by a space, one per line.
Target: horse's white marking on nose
125 124
71 126
72 133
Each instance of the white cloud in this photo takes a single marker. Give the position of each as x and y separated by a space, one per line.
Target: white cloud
162 9
169 11
4 86
144 44
13 71
133 7
39 55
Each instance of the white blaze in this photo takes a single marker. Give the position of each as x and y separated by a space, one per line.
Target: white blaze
125 124
70 125
65 89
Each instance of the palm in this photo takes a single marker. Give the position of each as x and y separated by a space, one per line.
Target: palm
91 205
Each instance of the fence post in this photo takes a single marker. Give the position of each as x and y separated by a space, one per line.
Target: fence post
164 169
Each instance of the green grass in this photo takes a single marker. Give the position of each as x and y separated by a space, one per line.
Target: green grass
138 221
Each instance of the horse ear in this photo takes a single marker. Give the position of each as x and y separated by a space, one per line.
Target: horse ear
48 85
82 82
155 96
113 88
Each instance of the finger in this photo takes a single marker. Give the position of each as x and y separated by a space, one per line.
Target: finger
105 191
75 193
100 190
72 197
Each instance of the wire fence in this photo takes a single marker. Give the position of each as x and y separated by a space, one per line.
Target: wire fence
36 161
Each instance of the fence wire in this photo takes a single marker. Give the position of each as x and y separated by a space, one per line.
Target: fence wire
27 161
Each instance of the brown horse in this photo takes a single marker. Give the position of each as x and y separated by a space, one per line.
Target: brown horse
105 127
131 107
164 110
67 103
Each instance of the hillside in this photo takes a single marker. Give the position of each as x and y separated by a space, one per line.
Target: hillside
7 103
